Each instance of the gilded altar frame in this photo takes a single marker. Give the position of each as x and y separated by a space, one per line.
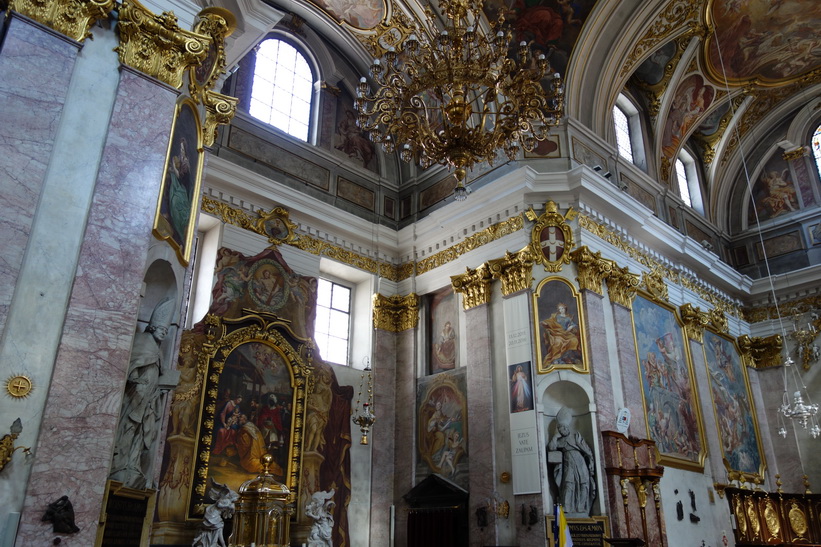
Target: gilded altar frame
223 337
668 384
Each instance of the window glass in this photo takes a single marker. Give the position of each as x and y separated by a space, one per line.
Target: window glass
816 148
333 321
283 88
683 183
623 134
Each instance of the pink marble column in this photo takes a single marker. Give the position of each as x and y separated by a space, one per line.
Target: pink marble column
73 454
482 438
708 416
382 435
36 67
630 380
404 431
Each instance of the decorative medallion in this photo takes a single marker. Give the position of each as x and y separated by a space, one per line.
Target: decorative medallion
752 515
19 386
268 287
798 521
771 518
277 225
551 239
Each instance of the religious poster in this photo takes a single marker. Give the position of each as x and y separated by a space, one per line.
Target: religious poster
559 327
442 432
521 387
773 192
252 416
732 401
668 385
444 342
179 193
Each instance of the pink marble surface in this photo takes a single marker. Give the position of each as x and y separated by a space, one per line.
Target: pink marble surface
36 67
482 440
628 365
382 455
600 374
405 439
73 454
708 416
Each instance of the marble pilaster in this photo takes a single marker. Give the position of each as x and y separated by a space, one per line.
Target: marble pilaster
404 428
84 399
630 380
713 443
482 440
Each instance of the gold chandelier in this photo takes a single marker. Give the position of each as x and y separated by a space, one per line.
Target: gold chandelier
457 96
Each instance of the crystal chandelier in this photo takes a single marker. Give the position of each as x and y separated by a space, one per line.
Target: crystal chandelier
799 411
458 95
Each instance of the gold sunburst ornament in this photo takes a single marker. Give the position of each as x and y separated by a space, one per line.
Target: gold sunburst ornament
19 386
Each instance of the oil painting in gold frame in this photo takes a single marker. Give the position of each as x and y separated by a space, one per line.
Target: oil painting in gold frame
736 421
179 193
559 327
668 387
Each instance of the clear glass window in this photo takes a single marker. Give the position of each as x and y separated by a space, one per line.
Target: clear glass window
683 182
283 88
623 133
333 321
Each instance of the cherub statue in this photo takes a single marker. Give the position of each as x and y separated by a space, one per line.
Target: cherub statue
320 508
210 534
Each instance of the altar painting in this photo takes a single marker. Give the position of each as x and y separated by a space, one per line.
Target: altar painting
444 340
442 432
668 386
558 324
732 401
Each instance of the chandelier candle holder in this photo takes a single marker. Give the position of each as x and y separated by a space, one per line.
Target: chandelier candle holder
364 418
458 95
798 411
805 348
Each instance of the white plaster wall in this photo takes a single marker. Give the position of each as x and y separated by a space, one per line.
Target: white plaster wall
713 511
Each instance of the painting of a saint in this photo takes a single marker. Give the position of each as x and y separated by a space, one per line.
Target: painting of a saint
558 327
253 415
667 382
442 427
521 390
774 192
352 141
177 200
692 99
735 415
444 343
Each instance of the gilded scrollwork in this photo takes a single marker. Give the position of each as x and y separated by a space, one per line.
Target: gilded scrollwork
622 286
759 353
718 320
70 18
395 313
795 153
216 23
798 520
771 519
694 321
653 283
156 45
514 270
551 239
219 110
474 286
591 268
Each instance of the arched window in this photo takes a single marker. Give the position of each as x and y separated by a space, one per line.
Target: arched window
816 148
627 124
283 88
688 186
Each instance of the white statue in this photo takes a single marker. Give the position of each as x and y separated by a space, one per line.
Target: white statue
210 534
140 415
320 508
816 352
575 476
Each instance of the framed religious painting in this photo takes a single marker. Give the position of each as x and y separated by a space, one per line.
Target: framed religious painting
668 388
179 192
559 327
443 328
736 421
253 403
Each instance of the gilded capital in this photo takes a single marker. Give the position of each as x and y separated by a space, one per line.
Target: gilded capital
654 284
395 313
718 320
156 45
219 110
622 285
71 18
514 270
694 322
592 269
795 153
474 285
758 352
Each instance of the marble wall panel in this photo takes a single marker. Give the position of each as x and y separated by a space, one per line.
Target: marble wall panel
382 456
708 417
84 400
631 382
404 428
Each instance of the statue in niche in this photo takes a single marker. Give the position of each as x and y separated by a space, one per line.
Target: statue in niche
575 475
210 534
320 508
140 415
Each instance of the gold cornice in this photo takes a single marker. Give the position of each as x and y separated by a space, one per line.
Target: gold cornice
156 45
592 269
763 313
474 285
514 270
622 286
219 110
73 18
694 322
395 313
653 283
761 353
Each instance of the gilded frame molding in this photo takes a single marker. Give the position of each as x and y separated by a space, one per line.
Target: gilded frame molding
664 423
729 371
541 305
223 336
164 217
